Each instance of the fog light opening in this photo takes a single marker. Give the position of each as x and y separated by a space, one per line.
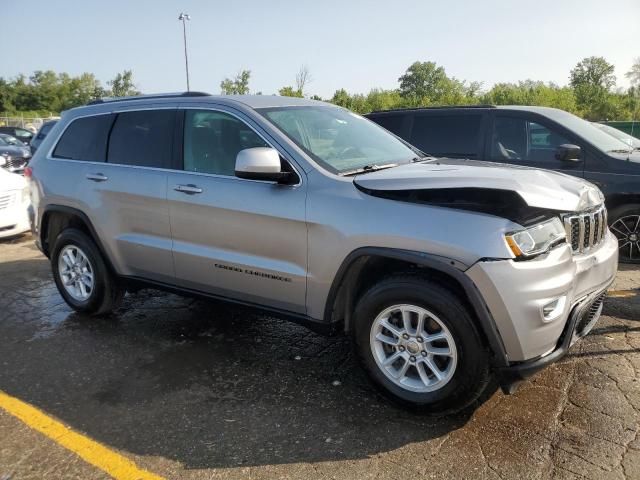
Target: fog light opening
554 309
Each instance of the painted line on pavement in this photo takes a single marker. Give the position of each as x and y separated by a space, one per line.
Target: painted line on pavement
110 462
622 293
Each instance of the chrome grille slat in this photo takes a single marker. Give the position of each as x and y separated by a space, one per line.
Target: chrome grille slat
586 230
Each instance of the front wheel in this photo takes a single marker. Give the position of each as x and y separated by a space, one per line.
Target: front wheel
420 345
625 225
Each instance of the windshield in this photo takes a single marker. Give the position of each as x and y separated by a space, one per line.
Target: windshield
601 140
339 140
632 142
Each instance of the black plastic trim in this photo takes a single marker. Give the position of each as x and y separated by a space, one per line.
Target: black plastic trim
447 266
315 325
85 219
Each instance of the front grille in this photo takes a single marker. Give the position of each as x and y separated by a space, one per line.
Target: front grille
16 163
586 230
5 200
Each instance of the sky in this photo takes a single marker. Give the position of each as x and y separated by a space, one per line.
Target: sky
351 44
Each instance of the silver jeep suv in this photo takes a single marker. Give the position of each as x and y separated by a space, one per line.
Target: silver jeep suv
445 272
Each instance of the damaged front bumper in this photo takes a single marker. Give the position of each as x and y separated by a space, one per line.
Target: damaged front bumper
541 306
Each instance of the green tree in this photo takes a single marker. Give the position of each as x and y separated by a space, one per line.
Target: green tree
122 85
592 80
634 74
290 92
237 86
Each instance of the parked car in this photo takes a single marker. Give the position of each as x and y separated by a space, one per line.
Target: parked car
14 201
533 137
632 142
20 133
41 135
14 155
446 272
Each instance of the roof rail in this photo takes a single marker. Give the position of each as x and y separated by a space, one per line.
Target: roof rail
98 101
433 107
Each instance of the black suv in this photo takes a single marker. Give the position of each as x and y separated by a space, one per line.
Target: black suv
536 137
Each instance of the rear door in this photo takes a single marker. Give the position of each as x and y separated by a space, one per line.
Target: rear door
521 138
123 188
449 134
237 238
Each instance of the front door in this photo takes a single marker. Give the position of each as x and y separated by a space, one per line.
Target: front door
240 239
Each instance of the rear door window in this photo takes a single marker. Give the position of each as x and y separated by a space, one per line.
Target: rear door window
143 138
85 139
447 135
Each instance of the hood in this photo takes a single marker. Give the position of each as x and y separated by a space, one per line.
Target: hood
15 151
541 189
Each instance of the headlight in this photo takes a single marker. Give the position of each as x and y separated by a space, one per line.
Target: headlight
4 159
536 239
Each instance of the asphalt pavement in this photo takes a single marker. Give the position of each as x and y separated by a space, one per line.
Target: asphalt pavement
200 390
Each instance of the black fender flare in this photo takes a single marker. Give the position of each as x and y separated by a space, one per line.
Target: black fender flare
54 208
450 267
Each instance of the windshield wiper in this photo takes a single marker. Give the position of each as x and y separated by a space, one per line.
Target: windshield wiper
368 169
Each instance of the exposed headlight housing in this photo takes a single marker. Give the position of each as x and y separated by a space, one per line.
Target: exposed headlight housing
536 239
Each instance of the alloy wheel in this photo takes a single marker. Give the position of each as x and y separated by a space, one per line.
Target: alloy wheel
413 348
76 272
627 230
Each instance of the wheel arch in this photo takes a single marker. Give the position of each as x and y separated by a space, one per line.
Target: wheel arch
362 267
56 218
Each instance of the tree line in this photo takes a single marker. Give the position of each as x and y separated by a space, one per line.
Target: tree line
48 92
591 92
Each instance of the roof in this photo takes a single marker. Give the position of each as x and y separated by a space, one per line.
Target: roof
253 101
549 111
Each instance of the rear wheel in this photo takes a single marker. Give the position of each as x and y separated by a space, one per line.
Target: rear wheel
625 225
420 345
81 275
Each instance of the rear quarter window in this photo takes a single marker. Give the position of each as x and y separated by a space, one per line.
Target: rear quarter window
452 135
84 139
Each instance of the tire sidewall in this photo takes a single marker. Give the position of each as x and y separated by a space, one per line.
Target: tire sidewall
471 356
80 240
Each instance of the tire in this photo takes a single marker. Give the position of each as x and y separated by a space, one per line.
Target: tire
465 373
624 223
94 290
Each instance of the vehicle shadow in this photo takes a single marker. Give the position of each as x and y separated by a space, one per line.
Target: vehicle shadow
198 382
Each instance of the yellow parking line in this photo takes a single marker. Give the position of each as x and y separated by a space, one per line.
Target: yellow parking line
92 452
622 293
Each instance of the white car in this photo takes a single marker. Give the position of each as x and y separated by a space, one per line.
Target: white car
14 201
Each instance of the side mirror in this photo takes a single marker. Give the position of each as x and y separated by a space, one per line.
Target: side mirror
568 153
261 163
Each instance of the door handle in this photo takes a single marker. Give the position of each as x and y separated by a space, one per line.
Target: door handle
97 177
189 189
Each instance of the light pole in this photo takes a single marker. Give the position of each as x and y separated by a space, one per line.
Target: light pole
184 17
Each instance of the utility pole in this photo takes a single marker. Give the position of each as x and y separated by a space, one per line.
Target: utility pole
184 17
